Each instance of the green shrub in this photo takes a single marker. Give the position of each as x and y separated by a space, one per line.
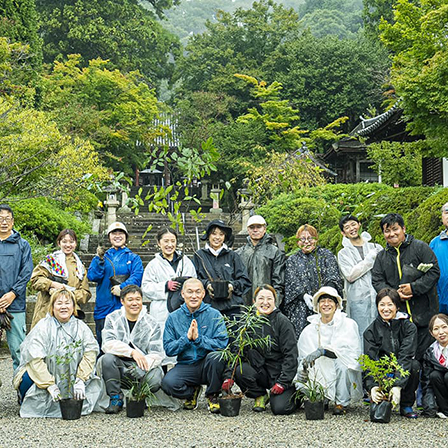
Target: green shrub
286 214
424 222
323 206
394 200
42 220
331 239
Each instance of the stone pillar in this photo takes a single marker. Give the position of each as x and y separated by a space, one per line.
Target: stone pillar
204 189
215 196
246 205
111 204
124 209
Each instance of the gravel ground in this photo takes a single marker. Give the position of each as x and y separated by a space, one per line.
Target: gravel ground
163 428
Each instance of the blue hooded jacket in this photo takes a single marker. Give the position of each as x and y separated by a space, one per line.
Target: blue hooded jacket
211 328
125 263
16 267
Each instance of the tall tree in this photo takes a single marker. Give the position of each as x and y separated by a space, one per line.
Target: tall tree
238 43
419 74
374 11
19 22
328 78
114 111
121 31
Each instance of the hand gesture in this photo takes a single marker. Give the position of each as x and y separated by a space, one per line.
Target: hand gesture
405 291
79 389
140 359
54 391
210 290
172 285
100 251
6 300
116 290
193 331
376 395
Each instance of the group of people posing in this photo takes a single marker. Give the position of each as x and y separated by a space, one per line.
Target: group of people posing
391 305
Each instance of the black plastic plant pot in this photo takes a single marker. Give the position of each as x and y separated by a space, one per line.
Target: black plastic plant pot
71 408
380 413
314 410
229 407
220 289
135 409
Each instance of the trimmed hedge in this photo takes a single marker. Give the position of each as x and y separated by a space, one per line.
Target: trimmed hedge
40 220
323 206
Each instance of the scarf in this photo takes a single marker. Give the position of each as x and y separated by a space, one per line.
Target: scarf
55 264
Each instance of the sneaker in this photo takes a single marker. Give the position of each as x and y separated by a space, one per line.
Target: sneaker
339 409
260 403
441 415
408 412
115 404
212 404
192 403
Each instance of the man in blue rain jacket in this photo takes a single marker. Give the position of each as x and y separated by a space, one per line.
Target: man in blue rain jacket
194 333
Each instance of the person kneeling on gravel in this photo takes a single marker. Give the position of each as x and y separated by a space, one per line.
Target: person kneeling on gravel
132 346
329 348
194 333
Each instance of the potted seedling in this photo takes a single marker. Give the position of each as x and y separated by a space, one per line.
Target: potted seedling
313 395
138 393
386 372
243 335
70 407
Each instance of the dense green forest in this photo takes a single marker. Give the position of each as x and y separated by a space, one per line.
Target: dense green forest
85 86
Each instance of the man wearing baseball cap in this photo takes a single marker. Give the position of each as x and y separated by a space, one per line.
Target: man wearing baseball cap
265 262
112 270
329 348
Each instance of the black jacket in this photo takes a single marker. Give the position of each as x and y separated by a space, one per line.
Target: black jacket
265 264
226 266
412 252
280 359
399 337
430 363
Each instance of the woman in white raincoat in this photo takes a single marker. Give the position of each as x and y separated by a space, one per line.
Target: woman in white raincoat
329 348
39 379
163 278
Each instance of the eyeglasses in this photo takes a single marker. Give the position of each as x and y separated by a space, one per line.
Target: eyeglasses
6 219
307 240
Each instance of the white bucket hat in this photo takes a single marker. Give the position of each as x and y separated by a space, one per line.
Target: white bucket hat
329 291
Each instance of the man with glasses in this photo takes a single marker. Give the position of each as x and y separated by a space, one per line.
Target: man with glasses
16 267
265 262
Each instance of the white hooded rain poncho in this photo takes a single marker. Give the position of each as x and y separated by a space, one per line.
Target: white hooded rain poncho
341 337
46 341
145 337
359 292
157 273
